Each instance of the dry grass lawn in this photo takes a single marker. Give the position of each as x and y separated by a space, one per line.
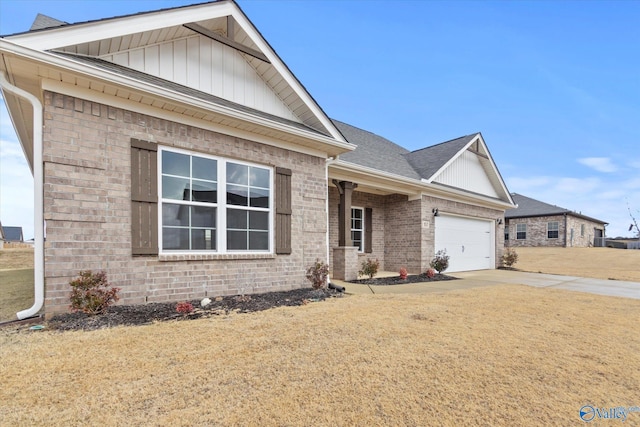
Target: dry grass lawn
498 356
599 263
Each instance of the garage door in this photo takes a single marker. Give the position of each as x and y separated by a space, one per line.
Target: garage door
469 242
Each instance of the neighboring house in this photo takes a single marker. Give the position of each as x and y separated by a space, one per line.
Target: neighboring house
13 234
535 223
183 157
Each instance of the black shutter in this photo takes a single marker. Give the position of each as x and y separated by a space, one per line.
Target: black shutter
144 198
368 230
283 211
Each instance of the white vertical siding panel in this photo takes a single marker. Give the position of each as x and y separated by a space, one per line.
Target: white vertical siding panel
152 60
227 73
239 78
180 61
213 68
120 59
467 173
193 62
136 59
166 61
206 84
217 69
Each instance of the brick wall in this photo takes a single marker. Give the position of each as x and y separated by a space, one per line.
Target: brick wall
88 209
403 229
537 231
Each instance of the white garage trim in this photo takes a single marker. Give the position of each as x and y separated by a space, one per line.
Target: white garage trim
469 242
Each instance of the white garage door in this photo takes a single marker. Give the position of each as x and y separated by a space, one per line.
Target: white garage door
469 242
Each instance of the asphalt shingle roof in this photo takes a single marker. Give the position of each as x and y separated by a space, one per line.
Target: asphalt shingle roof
13 234
528 207
375 152
428 161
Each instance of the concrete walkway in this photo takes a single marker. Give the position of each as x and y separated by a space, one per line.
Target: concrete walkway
473 279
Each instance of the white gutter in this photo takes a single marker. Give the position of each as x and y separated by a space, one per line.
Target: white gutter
328 161
38 203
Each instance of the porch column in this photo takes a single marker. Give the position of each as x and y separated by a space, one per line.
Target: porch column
345 256
345 188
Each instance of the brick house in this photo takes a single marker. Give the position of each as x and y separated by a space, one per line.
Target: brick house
535 223
176 151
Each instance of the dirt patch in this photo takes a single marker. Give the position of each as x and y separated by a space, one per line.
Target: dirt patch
129 315
396 280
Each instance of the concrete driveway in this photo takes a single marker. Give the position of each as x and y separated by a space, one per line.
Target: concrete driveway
472 279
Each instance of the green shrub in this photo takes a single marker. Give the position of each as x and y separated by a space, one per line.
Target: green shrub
317 274
441 261
90 293
369 268
510 257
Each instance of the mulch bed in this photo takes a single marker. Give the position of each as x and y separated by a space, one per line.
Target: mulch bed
396 280
129 315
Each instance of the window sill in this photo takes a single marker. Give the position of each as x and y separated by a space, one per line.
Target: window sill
213 257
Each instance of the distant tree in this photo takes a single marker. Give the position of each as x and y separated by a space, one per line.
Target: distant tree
634 223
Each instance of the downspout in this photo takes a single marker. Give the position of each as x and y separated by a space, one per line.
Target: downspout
38 202
326 175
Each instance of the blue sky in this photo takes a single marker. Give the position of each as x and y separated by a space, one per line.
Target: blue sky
554 86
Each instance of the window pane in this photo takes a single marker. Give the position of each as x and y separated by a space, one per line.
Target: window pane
259 198
258 220
356 213
356 224
175 215
202 216
259 178
204 191
236 240
203 239
175 188
236 219
205 169
258 240
237 195
237 174
175 238
175 164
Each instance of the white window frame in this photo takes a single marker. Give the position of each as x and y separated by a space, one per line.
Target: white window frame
518 232
361 230
221 205
557 229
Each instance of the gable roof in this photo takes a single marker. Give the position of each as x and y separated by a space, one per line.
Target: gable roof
427 165
13 234
376 152
49 57
427 161
528 208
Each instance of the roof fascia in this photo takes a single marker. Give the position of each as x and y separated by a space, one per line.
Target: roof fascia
85 32
451 160
91 31
51 60
411 186
477 138
284 71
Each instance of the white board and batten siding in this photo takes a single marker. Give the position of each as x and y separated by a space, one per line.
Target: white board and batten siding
468 173
469 242
207 66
